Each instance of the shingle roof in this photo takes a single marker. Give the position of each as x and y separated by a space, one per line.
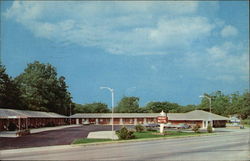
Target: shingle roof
10 113
116 115
193 115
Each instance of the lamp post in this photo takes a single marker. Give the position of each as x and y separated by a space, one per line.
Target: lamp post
112 115
209 98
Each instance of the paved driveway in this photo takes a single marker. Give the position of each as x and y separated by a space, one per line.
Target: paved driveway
48 138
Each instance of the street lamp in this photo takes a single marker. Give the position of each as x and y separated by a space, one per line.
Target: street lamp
112 116
209 98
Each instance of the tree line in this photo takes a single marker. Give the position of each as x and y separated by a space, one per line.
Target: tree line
221 104
40 88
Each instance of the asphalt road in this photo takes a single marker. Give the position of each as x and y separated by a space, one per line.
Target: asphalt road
224 146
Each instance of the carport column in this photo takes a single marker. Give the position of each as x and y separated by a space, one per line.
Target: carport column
144 120
96 121
135 122
206 123
121 122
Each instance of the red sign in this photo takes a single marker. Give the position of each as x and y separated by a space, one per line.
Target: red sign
162 119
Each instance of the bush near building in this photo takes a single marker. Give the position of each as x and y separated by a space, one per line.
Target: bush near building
139 128
125 134
209 128
196 128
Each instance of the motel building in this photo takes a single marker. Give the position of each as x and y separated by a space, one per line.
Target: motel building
202 118
25 119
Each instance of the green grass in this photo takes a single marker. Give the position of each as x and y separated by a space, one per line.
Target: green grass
140 135
85 140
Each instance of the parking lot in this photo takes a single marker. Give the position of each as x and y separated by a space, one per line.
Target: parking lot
55 137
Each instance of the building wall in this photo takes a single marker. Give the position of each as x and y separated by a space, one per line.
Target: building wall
188 122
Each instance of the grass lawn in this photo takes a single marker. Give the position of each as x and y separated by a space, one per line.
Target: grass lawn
141 135
85 140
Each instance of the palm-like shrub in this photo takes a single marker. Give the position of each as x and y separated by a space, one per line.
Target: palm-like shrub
209 128
125 134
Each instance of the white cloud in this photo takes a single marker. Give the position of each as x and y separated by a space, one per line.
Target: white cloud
226 62
228 31
133 28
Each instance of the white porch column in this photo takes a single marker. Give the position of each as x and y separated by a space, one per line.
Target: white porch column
135 121
203 126
121 121
96 121
144 120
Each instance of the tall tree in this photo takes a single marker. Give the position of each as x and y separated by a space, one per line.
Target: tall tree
10 96
128 105
41 90
92 108
165 106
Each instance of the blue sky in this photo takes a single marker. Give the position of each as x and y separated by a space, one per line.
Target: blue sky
158 51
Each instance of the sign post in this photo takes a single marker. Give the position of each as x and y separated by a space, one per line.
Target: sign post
162 119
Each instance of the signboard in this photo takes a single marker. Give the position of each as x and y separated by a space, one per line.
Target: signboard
162 119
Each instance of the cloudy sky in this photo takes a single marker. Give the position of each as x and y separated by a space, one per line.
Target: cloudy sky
158 51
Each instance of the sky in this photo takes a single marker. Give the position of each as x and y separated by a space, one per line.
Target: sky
157 51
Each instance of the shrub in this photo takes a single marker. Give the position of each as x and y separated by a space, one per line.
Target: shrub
23 132
125 134
139 128
196 128
12 126
209 128
246 122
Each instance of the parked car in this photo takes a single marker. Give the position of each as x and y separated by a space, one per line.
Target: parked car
182 126
152 125
169 125
86 123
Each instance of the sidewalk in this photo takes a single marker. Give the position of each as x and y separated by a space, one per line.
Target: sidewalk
32 131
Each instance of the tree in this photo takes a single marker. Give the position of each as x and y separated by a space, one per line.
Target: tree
128 105
92 108
157 107
10 96
41 90
187 108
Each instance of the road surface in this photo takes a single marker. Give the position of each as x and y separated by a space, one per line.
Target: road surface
224 146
